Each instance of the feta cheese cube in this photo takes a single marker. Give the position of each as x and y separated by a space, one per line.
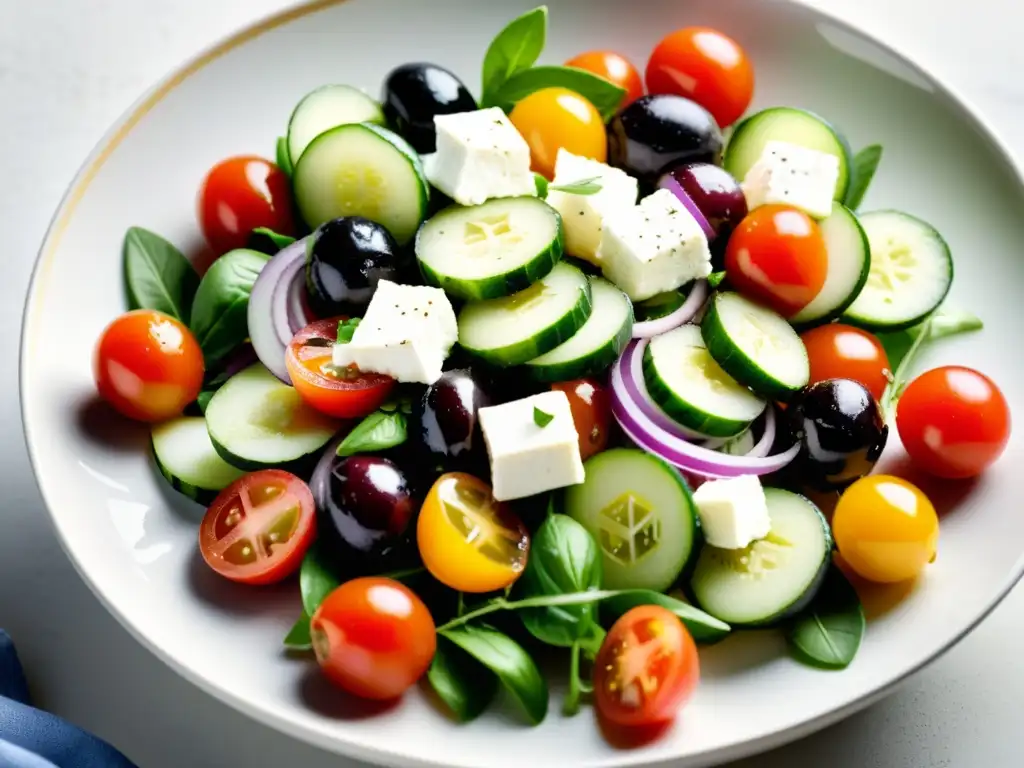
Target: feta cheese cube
733 512
528 459
793 175
653 247
480 155
583 215
406 333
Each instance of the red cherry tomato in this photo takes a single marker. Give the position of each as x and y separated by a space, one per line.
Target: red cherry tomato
706 66
612 66
591 413
240 194
838 351
373 637
342 393
953 421
646 669
777 257
258 528
148 366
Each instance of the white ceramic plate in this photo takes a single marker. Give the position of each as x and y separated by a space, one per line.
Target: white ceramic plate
133 539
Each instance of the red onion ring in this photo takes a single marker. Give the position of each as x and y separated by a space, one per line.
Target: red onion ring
668 181
648 328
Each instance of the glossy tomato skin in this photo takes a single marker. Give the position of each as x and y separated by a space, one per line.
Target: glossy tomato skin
557 118
373 637
240 194
704 65
777 257
954 422
647 641
614 67
838 351
591 413
148 366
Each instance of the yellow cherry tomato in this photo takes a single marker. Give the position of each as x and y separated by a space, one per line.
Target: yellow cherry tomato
885 528
468 540
552 118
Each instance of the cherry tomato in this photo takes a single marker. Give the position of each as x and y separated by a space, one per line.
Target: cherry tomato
777 256
343 393
148 366
258 528
612 66
591 413
373 637
838 351
554 118
240 194
706 66
468 540
646 669
953 421
885 528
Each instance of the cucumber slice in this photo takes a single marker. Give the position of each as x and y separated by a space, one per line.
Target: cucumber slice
640 512
771 579
662 305
755 346
186 457
911 273
258 422
362 170
683 378
490 250
597 344
325 108
515 329
796 126
849 262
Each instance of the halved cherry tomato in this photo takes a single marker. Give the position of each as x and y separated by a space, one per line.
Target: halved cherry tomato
614 67
555 118
148 365
258 528
468 540
345 393
591 413
777 257
838 351
953 421
706 66
373 637
646 669
240 194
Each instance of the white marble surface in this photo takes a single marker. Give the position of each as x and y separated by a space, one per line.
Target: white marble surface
68 68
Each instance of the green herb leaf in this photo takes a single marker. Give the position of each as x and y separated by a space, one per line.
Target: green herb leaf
346 329
465 685
715 279
829 632
268 241
284 158
515 48
298 637
864 166
514 667
605 95
704 627
204 398
541 418
318 577
377 432
542 185
588 186
158 275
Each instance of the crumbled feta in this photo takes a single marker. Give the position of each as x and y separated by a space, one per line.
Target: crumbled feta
733 512
793 175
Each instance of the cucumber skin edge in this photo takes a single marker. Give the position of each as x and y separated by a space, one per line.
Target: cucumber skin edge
599 361
203 496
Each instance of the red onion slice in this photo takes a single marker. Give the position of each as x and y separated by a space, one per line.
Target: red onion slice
648 328
667 181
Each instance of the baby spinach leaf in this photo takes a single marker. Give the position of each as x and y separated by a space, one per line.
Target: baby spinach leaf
829 633
283 156
219 313
298 637
588 186
318 577
377 432
157 274
704 627
465 685
603 94
515 48
268 241
864 166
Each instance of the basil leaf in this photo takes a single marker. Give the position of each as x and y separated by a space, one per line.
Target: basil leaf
268 241
204 398
377 432
465 685
542 418
298 637
283 156
715 279
829 632
542 185
589 186
157 274
514 667
515 48
318 577
864 166
704 627
219 313
603 94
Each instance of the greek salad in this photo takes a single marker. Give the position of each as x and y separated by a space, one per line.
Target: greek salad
553 372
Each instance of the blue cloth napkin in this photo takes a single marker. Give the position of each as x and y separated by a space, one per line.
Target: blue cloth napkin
31 738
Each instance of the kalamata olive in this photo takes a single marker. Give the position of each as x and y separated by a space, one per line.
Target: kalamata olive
345 260
841 432
715 193
658 132
415 93
446 418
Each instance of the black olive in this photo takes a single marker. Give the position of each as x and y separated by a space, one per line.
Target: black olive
447 425
841 432
415 93
346 258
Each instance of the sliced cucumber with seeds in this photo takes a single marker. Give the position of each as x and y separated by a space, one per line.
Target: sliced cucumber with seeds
755 346
326 108
515 329
662 305
774 578
911 273
683 378
491 250
186 457
597 344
